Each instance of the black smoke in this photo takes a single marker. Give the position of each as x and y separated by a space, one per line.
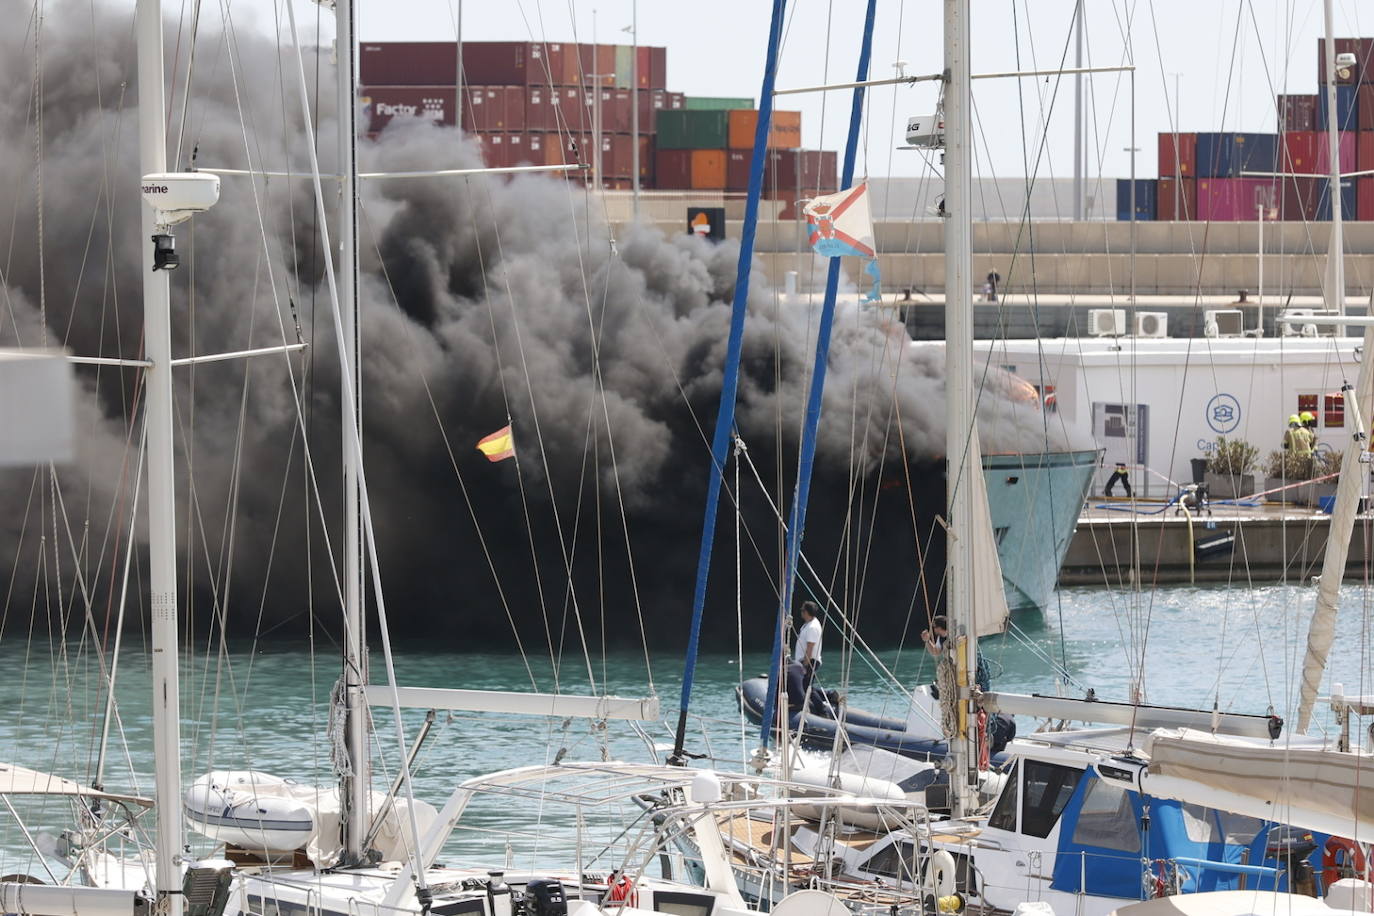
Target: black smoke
482 298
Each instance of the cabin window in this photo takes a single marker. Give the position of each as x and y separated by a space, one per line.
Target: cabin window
682 904
1199 823
1004 814
1047 789
1237 829
896 860
1107 819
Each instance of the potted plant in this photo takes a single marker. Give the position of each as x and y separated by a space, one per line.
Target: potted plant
1326 463
1287 477
1230 469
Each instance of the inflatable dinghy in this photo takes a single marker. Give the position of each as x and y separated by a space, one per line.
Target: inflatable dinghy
249 810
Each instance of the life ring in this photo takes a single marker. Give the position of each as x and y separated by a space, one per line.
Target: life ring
1331 859
940 875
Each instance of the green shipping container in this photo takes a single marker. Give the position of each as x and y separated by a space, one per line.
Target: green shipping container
687 129
624 66
715 103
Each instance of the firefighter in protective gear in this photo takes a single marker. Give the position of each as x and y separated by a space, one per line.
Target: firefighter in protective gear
1296 439
1309 426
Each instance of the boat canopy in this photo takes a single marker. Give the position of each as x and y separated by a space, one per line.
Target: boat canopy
1293 776
1229 903
17 780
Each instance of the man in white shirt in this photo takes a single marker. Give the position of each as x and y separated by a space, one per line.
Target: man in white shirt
808 649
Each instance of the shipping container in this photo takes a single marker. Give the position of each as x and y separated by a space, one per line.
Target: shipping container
542 148
1297 112
1300 198
1299 151
621 111
1177 155
644 67
804 171
1348 199
708 170
571 109
1237 199
692 129
1364 105
511 63
651 101
493 108
408 63
1227 155
1176 199
1343 45
1347 109
737 163
598 65
541 113
658 69
495 149
1364 151
784 129
646 160
1145 190
516 150
676 101
1364 199
716 103
624 66
1345 143
382 103
672 169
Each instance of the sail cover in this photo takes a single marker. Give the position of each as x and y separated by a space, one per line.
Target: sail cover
1335 784
990 611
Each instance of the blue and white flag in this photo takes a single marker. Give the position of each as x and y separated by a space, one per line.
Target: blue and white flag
841 224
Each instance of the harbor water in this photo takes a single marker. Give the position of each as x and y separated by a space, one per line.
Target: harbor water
263 706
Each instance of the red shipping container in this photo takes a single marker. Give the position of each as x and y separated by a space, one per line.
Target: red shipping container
673 169
598 65
675 101
1364 198
510 63
1297 112
802 171
1178 155
646 160
737 163
644 67
1235 199
1300 196
570 110
516 152
622 111
650 101
622 156
1345 143
408 63
1177 199
658 69
495 149
1343 45
1299 151
540 113
515 119
382 103
482 108
1364 151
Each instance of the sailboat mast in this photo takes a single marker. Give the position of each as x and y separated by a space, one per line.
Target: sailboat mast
162 573
1322 629
959 384
354 785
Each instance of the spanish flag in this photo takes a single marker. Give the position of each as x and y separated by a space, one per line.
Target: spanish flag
499 446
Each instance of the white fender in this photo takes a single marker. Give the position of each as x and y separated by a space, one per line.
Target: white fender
940 874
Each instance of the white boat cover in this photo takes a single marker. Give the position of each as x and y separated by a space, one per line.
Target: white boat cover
17 780
1230 903
990 610
1304 775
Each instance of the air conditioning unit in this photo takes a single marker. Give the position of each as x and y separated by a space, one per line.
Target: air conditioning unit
1151 324
1107 322
1224 323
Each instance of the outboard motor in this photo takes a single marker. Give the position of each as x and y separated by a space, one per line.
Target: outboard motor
499 902
545 897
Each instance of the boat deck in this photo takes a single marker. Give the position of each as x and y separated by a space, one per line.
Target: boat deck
1118 541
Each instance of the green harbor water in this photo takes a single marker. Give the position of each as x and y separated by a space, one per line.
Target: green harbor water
264 706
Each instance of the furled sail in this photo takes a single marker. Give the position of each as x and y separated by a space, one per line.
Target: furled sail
990 611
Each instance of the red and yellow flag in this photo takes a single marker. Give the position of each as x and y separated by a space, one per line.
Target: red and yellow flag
499 446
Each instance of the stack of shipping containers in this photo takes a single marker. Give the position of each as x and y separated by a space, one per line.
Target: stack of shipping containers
1200 174
528 103
539 104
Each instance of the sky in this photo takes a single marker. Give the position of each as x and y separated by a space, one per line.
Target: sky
1222 61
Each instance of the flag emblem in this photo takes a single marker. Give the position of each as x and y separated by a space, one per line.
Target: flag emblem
841 224
499 446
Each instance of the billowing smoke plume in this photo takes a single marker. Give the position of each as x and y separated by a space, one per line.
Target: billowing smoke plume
482 299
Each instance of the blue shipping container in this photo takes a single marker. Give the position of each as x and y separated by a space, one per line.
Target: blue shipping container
1348 200
1229 155
1145 199
1347 108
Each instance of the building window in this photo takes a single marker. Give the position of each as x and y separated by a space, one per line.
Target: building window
1333 413
1307 402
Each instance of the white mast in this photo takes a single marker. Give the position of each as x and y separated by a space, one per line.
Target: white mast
1322 630
162 573
959 437
356 785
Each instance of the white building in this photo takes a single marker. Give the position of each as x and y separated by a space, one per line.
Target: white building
1157 403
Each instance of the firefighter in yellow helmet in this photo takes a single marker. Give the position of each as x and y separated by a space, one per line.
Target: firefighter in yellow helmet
1309 426
1296 439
